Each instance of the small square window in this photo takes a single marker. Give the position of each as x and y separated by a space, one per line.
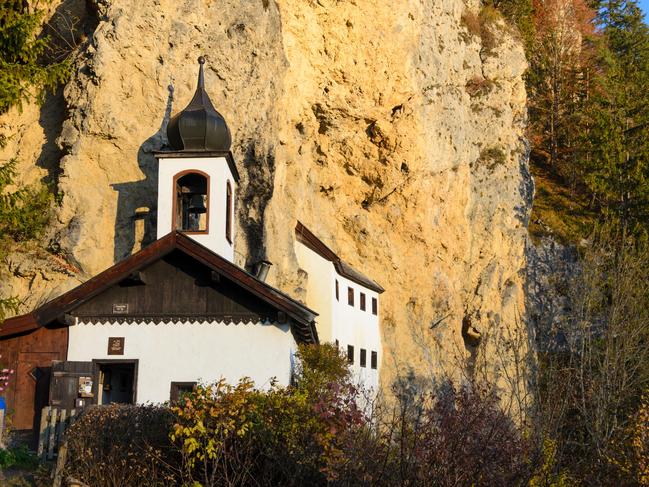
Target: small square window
337 291
362 301
179 389
375 306
350 296
350 354
374 360
363 359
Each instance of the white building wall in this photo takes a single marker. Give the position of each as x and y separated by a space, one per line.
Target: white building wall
187 352
352 326
338 320
320 291
219 171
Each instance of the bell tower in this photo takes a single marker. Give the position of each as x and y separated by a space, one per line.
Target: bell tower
197 177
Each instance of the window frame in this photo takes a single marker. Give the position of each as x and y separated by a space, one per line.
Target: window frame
374 360
362 360
375 306
174 203
362 302
228 211
174 389
350 296
337 291
350 354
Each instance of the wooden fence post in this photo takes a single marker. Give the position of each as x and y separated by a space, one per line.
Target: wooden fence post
52 433
60 464
2 428
60 429
43 433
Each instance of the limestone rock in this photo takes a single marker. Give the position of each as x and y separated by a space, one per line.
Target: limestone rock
353 117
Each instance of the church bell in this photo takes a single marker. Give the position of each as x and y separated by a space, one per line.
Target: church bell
196 204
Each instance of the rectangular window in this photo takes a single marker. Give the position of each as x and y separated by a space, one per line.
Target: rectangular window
374 360
350 354
350 296
362 301
337 344
375 306
337 292
179 389
363 358
228 212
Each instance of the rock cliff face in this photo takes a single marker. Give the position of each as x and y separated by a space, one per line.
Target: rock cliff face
387 128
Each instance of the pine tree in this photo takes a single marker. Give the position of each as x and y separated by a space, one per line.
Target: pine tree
615 144
25 71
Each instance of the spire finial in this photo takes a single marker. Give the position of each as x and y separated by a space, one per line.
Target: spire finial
201 81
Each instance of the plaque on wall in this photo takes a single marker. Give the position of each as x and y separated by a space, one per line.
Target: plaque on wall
116 346
120 308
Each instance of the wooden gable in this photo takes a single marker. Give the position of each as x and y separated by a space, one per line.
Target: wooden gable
180 289
175 288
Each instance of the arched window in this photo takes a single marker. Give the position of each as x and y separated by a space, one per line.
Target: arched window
191 204
228 212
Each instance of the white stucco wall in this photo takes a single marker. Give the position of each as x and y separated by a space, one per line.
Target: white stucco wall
320 291
219 171
186 352
338 320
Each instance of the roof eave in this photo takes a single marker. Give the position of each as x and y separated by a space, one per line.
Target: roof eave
181 154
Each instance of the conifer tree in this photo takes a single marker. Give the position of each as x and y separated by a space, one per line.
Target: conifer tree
615 144
25 72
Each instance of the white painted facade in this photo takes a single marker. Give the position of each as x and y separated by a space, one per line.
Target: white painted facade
339 321
188 352
219 172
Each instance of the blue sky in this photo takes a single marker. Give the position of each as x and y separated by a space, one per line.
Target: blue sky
644 5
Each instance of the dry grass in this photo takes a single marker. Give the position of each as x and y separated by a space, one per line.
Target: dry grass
559 210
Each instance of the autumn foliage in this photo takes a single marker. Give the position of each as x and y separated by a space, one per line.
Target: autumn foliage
310 433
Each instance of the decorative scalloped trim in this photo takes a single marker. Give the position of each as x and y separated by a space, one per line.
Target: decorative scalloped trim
186 319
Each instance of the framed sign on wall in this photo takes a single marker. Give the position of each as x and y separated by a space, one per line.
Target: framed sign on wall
115 345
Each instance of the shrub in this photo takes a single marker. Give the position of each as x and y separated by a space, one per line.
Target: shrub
450 436
19 457
310 433
25 212
491 157
121 445
237 435
212 430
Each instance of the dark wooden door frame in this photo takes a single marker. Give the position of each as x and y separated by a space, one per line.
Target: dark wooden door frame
96 363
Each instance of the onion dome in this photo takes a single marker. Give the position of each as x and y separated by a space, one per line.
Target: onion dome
199 127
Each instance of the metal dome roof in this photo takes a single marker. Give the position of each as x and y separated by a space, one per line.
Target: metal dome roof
199 127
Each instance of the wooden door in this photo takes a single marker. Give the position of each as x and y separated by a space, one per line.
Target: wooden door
64 391
31 374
